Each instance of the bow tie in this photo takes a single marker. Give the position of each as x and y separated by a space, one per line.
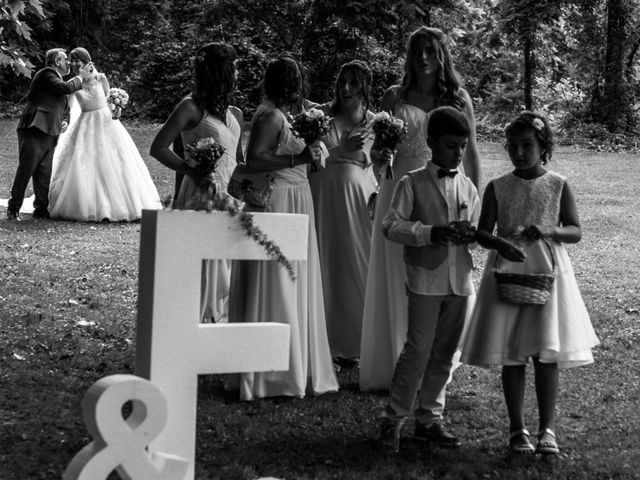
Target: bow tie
447 173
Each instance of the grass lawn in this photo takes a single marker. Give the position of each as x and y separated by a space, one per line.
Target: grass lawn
67 318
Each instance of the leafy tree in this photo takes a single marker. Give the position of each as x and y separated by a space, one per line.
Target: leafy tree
572 59
16 42
523 21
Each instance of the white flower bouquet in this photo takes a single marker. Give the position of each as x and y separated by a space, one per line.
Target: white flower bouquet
117 99
389 132
310 125
203 156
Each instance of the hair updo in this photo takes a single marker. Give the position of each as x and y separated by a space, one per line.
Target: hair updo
540 126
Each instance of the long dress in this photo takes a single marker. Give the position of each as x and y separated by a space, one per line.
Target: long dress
501 333
216 273
261 291
97 172
384 324
340 192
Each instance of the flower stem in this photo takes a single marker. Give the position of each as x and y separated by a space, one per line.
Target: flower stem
254 231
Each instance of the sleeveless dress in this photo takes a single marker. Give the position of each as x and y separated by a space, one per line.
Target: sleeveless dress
216 273
98 173
340 192
560 331
384 324
261 291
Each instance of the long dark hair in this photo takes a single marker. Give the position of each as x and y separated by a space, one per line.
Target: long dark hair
283 82
215 78
447 87
362 74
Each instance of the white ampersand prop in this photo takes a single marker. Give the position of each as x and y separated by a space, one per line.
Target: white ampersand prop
120 444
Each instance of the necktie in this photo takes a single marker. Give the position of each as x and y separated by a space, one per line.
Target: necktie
446 173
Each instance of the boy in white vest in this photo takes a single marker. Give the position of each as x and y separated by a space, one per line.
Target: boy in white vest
433 214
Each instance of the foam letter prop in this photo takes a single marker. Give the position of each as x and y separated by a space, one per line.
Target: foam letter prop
172 346
121 444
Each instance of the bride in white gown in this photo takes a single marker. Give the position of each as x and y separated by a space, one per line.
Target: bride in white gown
98 173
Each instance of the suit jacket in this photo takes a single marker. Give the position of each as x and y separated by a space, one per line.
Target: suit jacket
47 101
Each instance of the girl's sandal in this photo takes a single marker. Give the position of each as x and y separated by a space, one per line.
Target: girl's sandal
547 444
519 442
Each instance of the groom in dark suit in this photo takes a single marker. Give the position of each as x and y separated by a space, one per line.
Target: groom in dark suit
40 124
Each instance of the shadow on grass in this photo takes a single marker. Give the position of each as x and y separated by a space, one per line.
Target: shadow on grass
341 455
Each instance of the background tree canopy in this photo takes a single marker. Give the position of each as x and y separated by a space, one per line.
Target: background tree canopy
575 60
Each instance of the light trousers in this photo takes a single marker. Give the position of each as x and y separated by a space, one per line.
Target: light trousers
435 326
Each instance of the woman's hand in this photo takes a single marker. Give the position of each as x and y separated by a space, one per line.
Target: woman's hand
385 157
311 153
353 142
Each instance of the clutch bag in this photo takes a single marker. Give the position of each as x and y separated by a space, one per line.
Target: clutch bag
253 188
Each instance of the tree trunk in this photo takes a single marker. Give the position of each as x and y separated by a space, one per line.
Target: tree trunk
617 112
631 57
529 67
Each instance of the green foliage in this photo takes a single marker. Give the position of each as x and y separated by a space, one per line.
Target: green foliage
163 77
16 43
147 47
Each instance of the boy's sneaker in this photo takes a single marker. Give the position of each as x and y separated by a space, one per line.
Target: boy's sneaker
390 433
436 434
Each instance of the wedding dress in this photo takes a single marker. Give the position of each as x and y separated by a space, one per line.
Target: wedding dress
98 173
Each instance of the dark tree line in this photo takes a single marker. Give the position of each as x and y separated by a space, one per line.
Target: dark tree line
576 60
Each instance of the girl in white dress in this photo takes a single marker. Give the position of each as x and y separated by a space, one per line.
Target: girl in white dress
261 291
206 113
535 209
429 81
98 173
340 192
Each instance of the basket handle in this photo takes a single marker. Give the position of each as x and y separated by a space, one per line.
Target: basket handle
546 242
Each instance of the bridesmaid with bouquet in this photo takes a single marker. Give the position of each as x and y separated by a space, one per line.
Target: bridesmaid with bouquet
340 194
262 291
429 81
203 117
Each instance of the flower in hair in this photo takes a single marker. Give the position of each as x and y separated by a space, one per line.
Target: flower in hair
538 124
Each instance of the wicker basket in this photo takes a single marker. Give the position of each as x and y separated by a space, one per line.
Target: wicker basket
525 288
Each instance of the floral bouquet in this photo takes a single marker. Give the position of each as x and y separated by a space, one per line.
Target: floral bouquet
118 99
203 158
389 132
310 126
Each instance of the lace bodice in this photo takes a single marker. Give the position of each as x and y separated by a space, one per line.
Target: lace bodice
91 96
524 202
413 151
